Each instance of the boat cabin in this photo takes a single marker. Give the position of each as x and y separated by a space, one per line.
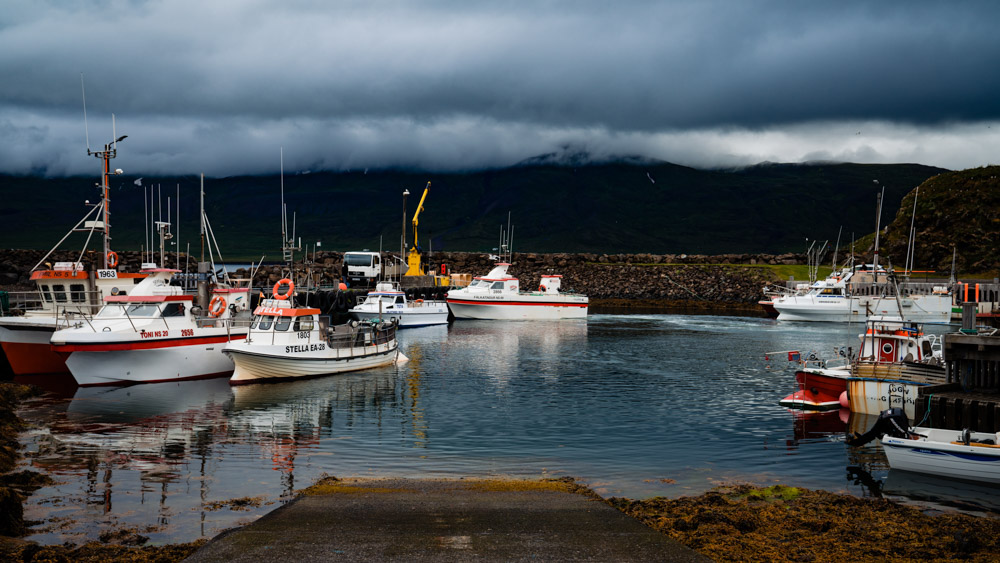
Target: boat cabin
888 340
67 287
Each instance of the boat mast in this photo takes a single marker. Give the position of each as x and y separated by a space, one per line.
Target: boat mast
911 245
110 151
878 226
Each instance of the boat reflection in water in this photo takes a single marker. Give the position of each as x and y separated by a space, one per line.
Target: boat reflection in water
160 457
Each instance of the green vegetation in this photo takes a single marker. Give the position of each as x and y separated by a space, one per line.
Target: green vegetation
654 207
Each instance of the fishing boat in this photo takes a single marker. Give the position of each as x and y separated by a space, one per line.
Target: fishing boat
897 358
497 296
66 291
855 294
388 303
154 334
286 341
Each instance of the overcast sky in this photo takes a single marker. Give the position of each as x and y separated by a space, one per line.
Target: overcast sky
218 86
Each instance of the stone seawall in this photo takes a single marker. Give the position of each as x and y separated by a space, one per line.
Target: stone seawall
621 280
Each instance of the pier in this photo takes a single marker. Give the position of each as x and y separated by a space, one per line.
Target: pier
970 398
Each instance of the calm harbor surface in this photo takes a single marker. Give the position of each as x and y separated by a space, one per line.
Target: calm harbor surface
631 405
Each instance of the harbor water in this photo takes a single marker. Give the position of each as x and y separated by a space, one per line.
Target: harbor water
631 405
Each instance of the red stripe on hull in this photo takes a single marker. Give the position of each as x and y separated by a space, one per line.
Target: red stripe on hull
520 303
146 344
33 359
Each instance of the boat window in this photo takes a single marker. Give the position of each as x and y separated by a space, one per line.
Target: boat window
399 299
303 324
265 322
253 323
925 347
173 310
60 292
143 310
77 294
111 311
46 295
283 323
498 285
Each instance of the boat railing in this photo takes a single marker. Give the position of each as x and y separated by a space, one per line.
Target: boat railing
54 302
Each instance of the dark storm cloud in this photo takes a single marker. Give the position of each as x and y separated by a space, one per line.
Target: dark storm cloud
218 86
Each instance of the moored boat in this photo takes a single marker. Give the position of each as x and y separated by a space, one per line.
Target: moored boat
896 359
154 334
497 296
290 342
388 303
972 456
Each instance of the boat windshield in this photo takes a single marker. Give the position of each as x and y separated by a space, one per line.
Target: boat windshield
479 283
134 310
283 323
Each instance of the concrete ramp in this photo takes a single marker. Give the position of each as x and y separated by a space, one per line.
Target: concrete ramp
439 520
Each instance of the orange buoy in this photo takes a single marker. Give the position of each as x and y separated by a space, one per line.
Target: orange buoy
287 294
112 259
216 306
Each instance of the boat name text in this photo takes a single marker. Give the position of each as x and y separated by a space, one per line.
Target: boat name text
307 348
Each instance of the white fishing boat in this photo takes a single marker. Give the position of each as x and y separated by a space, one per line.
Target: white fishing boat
848 296
971 456
497 295
65 293
388 303
154 334
290 342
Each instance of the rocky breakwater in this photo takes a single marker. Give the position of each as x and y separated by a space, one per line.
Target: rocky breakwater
731 281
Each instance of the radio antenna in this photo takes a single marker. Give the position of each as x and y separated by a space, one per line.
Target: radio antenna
86 131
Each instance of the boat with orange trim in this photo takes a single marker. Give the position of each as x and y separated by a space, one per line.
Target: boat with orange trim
66 291
286 341
155 333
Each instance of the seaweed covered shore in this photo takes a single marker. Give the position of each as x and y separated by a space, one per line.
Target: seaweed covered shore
780 523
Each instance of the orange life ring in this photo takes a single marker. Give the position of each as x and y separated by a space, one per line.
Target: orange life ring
112 259
286 295
419 301
216 306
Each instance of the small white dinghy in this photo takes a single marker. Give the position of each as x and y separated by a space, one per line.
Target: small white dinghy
959 454
289 342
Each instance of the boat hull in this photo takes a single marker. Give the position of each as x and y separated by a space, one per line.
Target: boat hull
182 359
918 308
518 310
28 351
410 317
940 455
819 390
256 363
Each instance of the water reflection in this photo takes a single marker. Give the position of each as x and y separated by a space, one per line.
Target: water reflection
637 406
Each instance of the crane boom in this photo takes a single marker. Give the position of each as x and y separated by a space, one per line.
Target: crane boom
416 214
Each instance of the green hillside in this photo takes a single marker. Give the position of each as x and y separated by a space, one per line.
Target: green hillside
625 207
959 210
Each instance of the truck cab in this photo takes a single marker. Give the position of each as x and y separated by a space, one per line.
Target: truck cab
361 268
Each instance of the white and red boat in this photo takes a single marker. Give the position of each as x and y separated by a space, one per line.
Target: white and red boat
65 293
821 388
154 334
290 342
497 295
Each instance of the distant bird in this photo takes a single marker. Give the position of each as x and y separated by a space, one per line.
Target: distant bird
138 182
650 178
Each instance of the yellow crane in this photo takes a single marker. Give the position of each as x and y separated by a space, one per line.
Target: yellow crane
414 267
